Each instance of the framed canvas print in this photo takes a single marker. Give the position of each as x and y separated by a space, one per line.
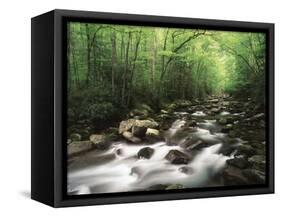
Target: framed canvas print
131 108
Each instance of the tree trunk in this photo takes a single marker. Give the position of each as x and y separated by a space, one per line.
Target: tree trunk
133 67
154 56
113 62
125 73
88 55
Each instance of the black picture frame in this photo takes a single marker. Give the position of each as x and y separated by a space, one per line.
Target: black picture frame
48 164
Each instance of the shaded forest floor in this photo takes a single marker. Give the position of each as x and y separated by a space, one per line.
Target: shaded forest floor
238 125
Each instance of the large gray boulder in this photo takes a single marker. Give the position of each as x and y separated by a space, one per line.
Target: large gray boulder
134 130
178 157
239 162
78 147
130 137
254 176
127 125
234 176
147 123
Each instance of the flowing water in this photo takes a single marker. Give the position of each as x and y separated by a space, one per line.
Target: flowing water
119 170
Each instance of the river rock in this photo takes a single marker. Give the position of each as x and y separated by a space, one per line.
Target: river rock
99 141
171 107
222 121
189 142
146 153
208 106
233 176
128 124
120 151
130 137
227 149
139 131
186 170
215 110
147 123
239 162
233 133
254 176
152 132
178 157
157 187
140 113
247 150
213 100
227 128
75 137
78 147
146 107
174 186
164 111
257 117
225 103
192 123
136 170
153 135
199 144
258 162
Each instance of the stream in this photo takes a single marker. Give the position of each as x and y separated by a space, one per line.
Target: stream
119 170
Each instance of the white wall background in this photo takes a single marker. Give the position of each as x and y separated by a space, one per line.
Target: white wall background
15 106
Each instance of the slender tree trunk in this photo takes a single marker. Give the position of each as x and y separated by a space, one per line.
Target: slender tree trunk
154 56
69 85
113 62
125 73
130 90
160 84
88 55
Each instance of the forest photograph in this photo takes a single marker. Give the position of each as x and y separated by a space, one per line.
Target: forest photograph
157 108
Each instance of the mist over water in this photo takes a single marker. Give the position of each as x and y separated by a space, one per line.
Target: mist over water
121 170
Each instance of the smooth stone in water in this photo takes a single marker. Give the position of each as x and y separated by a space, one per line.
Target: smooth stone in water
186 170
146 153
178 157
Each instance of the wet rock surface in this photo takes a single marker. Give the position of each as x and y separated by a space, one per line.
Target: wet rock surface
146 153
177 157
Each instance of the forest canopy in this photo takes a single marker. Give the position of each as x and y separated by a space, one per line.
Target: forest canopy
112 68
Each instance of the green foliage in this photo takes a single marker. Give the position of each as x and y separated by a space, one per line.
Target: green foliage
112 68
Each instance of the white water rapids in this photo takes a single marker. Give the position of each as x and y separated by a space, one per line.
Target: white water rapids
122 171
